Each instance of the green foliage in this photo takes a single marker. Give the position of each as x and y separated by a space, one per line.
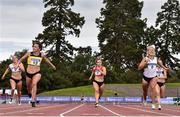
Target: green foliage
166 35
59 21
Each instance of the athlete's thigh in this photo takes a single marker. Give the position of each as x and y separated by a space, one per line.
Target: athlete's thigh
36 78
145 84
13 84
96 86
28 81
162 90
19 85
102 87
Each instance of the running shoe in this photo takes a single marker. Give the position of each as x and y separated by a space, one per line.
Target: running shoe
153 107
29 102
96 104
33 104
10 102
19 102
144 103
159 107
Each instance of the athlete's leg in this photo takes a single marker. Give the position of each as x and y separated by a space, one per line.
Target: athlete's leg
101 90
28 85
13 87
35 81
96 90
162 91
157 89
19 88
145 86
153 84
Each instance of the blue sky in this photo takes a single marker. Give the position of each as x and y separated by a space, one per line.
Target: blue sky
20 22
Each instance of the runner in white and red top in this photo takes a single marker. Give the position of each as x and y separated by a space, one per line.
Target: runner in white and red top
98 81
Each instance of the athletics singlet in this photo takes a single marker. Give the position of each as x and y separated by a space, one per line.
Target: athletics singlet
160 72
34 60
97 69
150 71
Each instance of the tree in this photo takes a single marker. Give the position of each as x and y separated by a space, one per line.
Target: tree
121 33
168 40
59 21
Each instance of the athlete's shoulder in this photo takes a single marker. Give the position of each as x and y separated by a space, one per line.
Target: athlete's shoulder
103 67
10 65
42 54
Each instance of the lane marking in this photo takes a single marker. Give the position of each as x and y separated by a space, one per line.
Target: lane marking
34 109
68 111
164 108
110 111
145 110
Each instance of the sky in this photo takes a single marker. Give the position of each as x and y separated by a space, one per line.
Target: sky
20 23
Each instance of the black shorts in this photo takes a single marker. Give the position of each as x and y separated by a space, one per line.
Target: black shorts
15 80
31 75
147 79
160 84
99 83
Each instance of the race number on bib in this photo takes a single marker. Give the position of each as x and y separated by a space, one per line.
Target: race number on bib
97 72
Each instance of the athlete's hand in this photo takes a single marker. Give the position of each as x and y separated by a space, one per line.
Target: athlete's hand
90 78
54 67
2 78
146 60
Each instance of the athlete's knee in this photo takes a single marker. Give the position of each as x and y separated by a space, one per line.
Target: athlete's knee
19 92
34 85
97 91
13 89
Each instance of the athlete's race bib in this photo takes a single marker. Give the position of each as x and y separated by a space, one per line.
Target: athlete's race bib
151 66
97 73
35 61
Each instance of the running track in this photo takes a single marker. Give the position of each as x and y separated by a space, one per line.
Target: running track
85 109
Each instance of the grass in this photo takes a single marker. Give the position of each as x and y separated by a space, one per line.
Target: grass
77 91
110 89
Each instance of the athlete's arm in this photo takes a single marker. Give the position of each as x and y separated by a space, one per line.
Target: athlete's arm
90 78
161 64
24 57
21 66
142 64
48 61
6 72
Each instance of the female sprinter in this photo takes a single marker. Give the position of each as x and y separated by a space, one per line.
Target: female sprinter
98 81
149 64
16 78
160 85
33 74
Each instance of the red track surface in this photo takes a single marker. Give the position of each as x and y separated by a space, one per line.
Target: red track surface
86 110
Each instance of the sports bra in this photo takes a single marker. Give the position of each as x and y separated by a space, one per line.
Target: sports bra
14 69
34 60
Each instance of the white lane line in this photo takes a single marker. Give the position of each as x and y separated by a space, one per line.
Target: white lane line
34 109
68 111
145 110
165 108
110 111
